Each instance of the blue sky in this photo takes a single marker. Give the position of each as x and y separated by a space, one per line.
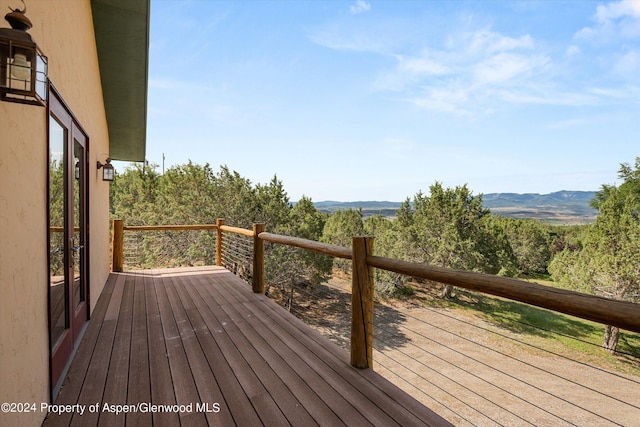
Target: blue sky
376 100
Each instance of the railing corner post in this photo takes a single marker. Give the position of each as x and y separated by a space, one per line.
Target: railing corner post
219 224
257 280
362 304
117 245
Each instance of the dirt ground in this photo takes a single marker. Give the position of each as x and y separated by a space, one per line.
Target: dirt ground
472 372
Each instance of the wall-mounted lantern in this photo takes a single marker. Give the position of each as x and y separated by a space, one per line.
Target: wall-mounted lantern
23 67
108 171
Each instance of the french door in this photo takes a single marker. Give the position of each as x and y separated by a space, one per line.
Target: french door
68 249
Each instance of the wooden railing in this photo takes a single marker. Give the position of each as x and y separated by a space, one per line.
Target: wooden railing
622 314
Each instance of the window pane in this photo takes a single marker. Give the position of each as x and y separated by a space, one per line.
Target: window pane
57 138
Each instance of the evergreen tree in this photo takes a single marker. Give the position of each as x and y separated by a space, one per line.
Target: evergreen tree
447 229
530 242
133 195
186 195
340 228
629 187
292 265
387 244
607 263
195 194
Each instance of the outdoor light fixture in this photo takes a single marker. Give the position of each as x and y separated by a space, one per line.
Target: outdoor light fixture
23 67
108 171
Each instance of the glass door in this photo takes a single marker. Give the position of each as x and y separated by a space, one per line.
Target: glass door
57 299
68 252
77 239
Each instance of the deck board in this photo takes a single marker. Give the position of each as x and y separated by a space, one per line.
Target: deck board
161 386
195 336
117 375
78 369
138 387
183 382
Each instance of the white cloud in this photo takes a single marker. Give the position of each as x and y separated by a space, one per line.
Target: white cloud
486 41
617 10
477 73
359 7
470 74
628 64
353 38
572 50
505 67
445 100
421 65
621 93
480 71
613 21
539 94
611 43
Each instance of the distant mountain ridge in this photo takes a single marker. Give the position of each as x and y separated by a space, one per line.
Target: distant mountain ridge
562 198
561 207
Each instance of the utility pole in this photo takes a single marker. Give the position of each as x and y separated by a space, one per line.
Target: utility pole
162 163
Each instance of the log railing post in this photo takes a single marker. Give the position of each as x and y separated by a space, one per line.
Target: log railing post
257 280
117 245
219 224
362 304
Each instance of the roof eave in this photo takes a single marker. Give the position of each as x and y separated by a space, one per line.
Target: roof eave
122 39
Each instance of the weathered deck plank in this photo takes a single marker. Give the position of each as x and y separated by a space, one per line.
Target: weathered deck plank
161 386
199 337
97 331
117 375
183 383
139 380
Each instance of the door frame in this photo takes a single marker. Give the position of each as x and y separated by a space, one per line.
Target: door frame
61 351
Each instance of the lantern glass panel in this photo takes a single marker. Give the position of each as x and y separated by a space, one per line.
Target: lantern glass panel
5 60
41 76
107 172
21 68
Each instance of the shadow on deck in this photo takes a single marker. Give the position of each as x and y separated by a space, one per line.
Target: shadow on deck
201 342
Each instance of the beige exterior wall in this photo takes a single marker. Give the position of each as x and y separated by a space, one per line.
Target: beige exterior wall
64 31
24 361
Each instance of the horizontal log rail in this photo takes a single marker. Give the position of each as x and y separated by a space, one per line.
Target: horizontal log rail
311 245
623 314
237 230
170 227
61 229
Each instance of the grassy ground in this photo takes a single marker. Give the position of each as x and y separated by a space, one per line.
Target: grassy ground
543 330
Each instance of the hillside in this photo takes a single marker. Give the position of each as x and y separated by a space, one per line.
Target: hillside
369 208
561 207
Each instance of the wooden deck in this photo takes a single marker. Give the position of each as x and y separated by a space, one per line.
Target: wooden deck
199 338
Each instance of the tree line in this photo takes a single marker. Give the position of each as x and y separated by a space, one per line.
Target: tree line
448 227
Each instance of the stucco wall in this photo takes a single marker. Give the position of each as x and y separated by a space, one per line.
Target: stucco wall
24 362
64 31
